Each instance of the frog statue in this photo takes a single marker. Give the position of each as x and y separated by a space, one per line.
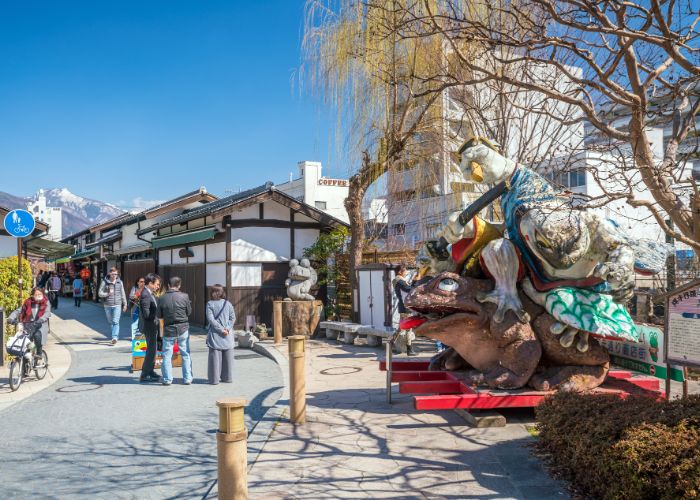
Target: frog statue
574 264
301 278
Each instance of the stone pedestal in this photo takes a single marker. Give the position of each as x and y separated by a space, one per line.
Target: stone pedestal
296 317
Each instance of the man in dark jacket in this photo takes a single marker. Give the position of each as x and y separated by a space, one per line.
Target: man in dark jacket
175 309
149 324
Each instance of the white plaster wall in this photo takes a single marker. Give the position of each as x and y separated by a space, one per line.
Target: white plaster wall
250 212
164 257
259 244
198 254
274 210
176 257
8 246
246 274
216 252
304 238
216 274
129 238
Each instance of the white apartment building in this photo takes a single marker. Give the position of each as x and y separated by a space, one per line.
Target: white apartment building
420 199
50 215
311 187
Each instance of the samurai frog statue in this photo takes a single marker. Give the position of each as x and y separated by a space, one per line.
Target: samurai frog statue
576 265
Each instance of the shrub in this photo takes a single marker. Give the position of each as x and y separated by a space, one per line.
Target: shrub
8 286
636 448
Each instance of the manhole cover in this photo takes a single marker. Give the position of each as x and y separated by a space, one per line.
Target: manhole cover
79 388
341 370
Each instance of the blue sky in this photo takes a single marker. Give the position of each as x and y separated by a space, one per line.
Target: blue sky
149 99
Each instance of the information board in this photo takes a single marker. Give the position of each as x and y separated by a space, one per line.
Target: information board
646 356
683 325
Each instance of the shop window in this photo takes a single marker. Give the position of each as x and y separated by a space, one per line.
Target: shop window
399 229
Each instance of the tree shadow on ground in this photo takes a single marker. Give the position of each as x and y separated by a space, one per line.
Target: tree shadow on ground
356 458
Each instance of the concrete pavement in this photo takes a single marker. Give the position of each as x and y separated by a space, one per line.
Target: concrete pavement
59 363
355 445
98 433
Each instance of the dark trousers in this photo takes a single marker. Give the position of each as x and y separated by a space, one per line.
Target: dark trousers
78 300
53 298
149 363
36 337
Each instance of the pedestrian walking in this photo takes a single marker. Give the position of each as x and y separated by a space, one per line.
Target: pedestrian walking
175 308
53 287
112 292
44 279
134 298
402 287
77 291
221 318
37 279
149 325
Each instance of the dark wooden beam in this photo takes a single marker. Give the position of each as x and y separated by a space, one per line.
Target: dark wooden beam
283 224
292 226
262 210
227 228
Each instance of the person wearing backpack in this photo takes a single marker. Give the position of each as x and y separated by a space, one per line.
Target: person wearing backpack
77 291
220 338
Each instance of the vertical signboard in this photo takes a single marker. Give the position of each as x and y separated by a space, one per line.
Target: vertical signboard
683 325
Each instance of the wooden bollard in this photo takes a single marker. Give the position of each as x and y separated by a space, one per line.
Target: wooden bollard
277 321
232 450
297 379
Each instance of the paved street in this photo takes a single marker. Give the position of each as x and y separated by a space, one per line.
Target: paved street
355 445
98 433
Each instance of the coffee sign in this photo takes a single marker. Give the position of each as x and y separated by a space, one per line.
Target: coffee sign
323 181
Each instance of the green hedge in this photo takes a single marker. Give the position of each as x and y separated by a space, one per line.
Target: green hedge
611 448
8 286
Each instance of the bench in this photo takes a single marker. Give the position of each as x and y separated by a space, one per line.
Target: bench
376 334
350 331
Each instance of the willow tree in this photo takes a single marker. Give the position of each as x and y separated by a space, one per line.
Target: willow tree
633 67
367 72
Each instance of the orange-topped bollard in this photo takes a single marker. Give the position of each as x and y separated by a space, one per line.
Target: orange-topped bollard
232 450
297 379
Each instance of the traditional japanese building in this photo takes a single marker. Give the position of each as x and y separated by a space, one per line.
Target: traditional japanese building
243 241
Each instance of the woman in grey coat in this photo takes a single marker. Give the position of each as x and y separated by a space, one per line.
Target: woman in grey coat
220 338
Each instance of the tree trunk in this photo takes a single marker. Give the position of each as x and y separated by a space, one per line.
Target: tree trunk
654 179
353 205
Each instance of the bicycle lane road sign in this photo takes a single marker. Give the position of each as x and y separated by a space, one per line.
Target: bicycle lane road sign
19 223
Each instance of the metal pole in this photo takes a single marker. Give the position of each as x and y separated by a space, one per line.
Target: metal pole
232 450
297 379
2 336
388 359
19 272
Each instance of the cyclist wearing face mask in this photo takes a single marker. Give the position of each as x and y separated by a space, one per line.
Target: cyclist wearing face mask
34 315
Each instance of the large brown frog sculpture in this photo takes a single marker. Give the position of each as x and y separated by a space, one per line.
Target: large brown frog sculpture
506 354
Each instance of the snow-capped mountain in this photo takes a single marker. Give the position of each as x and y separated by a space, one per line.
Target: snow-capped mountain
78 212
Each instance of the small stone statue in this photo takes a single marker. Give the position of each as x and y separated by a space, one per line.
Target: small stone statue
300 279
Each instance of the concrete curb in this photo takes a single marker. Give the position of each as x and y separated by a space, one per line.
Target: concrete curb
63 364
263 429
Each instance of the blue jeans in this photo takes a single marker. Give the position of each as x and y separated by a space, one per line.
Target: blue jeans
183 341
114 314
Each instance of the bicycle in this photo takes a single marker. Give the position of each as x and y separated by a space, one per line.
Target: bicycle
24 361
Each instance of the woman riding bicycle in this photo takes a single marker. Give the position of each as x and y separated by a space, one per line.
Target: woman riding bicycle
34 315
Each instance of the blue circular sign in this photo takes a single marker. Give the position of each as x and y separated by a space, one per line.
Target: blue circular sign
19 223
